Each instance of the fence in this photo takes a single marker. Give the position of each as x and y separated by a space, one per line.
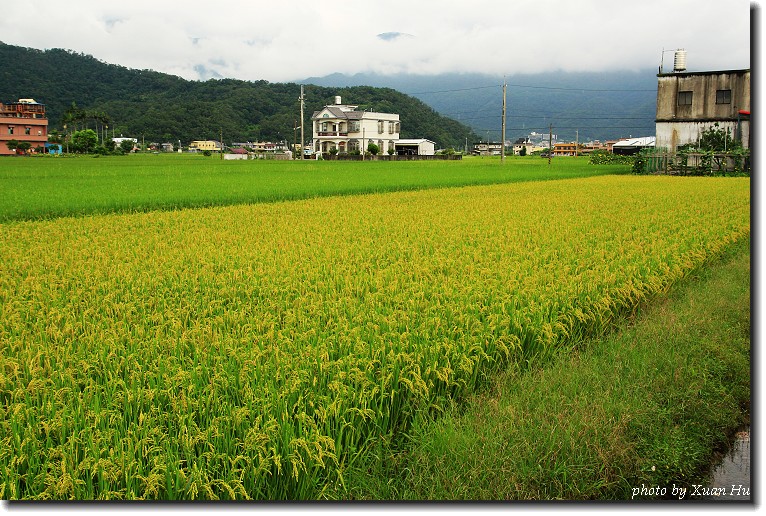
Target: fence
660 161
394 157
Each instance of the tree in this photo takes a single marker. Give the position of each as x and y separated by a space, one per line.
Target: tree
24 147
373 149
12 145
523 151
717 139
84 141
126 146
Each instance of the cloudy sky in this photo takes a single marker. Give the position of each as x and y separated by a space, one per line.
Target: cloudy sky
295 39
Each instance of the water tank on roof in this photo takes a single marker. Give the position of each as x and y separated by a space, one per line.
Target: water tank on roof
337 100
679 62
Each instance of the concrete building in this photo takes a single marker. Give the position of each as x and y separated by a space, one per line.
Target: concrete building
690 102
342 127
23 121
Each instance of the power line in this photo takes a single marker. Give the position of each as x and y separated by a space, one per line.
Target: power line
532 86
577 89
553 117
459 89
557 127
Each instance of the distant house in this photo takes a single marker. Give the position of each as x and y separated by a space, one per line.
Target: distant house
53 148
23 121
343 128
487 148
415 147
690 102
205 145
564 149
118 141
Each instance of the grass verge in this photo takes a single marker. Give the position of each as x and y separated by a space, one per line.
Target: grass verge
644 405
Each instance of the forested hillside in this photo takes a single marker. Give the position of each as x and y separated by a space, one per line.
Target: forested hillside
164 108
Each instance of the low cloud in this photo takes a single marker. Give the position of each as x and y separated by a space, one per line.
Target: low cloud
313 38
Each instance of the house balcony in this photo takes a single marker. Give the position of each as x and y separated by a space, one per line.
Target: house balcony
332 133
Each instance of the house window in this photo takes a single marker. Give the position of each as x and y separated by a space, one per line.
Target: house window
380 126
10 129
723 97
685 98
353 126
28 130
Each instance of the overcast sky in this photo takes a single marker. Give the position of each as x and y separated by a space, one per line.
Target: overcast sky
295 39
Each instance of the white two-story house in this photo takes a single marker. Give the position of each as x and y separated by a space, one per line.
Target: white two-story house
342 127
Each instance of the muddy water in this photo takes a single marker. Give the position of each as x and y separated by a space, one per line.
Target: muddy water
730 480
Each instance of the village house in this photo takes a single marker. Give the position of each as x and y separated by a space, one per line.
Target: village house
205 145
23 121
564 149
343 128
487 148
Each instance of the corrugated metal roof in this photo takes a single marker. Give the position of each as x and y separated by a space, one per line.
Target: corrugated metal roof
646 141
412 141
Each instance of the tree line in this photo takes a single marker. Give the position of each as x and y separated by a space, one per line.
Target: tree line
81 92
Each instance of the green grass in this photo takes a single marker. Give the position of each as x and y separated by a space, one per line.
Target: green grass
49 187
645 405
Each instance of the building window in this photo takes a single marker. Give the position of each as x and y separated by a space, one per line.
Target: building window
28 131
723 97
685 98
380 126
353 126
10 129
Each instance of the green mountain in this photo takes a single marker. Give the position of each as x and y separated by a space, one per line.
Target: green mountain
158 107
584 105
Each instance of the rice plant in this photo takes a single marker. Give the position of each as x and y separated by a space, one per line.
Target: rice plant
255 352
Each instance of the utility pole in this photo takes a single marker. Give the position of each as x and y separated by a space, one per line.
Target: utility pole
221 142
295 138
502 143
550 145
577 140
302 99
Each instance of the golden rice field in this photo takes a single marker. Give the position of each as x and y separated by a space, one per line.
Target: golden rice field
255 351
